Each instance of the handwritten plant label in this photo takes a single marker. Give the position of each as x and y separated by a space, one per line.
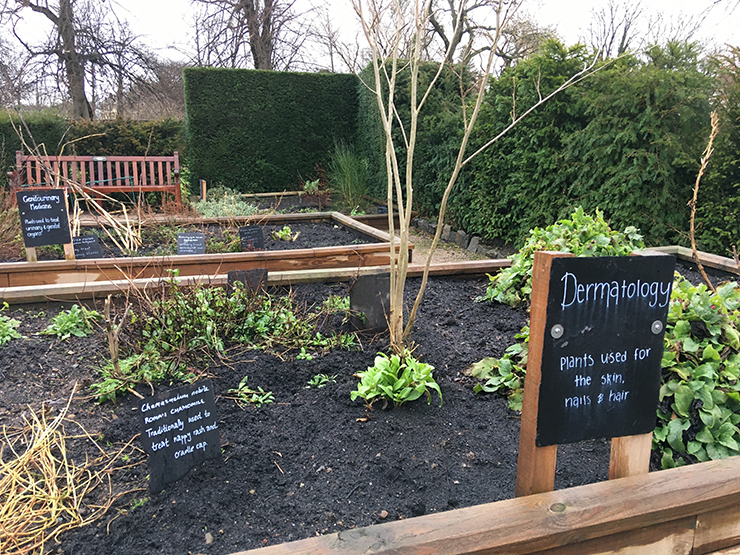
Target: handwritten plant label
44 219
252 238
603 346
87 246
179 431
191 243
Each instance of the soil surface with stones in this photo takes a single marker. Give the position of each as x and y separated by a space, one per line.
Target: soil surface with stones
313 462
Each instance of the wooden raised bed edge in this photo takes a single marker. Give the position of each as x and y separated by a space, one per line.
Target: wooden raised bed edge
15 274
690 510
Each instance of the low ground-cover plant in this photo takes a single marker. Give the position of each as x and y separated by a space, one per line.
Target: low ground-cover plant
397 379
285 234
320 380
582 235
147 367
8 327
76 321
245 395
224 202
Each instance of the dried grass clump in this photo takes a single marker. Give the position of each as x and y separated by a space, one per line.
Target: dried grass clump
11 243
43 492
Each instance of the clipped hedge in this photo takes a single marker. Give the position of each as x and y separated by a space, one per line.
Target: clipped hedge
254 130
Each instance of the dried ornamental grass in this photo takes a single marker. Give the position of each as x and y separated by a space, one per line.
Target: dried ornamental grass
43 492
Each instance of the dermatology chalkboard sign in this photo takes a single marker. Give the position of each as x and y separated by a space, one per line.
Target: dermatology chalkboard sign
252 238
178 430
603 347
44 219
191 243
87 246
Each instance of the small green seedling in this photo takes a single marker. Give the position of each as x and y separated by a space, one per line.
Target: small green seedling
76 321
285 234
8 327
244 395
321 380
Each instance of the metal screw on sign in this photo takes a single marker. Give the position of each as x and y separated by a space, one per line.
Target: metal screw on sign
556 331
656 327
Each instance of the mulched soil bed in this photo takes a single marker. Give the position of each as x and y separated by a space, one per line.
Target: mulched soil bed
306 464
162 240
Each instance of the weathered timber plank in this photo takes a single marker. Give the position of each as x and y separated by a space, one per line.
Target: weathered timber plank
86 287
542 521
707 259
717 530
672 538
360 227
735 550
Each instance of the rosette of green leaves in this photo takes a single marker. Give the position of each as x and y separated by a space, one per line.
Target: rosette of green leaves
582 235
397 379
699 408
76 321
8 327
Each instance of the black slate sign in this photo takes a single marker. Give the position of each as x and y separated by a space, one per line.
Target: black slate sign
603 346
87 246
44 219
178 431
191 243
252 238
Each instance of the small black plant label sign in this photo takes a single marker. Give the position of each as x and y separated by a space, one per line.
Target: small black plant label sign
191 243
44 219
603 346
252 238
87 246
179 431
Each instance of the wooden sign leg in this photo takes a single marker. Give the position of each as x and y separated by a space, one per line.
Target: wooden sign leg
535 471
630 455
31 254
69 251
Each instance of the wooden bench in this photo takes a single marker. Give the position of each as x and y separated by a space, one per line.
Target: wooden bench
99 174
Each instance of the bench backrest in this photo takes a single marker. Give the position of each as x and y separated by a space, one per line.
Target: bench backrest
121 171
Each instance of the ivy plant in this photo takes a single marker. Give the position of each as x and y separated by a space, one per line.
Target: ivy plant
397 379
699 409
582 235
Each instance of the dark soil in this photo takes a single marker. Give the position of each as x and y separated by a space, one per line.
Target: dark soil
313 462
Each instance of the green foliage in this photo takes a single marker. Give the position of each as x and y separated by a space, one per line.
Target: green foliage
245 395
699 408
225 202
396 378
582 235
8 327
76 321
284 234
262 130
348 173
505 375
320 380
335 304
147 367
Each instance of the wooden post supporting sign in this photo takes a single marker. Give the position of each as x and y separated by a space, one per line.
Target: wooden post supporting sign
594 361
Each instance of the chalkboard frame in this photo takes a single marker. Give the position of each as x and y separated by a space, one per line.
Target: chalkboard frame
191 243
59 235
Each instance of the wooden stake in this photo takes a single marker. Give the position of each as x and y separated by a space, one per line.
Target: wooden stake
536 465
31 254
203 189
630 455
69 251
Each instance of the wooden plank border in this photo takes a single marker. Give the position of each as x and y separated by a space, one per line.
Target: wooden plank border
651 513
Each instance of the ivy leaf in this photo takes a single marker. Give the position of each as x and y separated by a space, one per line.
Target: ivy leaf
716 451
732 337
705 436
710 353
675 433
683 397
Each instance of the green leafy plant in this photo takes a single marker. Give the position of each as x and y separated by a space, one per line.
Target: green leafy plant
504 375
245 395
397 379
335 304
320 380
139 502
304 355
76 321
699 408
8 327
582 235
285 234
146 367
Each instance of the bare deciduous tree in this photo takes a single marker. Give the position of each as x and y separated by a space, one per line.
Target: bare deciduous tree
375 16
230 33
83 37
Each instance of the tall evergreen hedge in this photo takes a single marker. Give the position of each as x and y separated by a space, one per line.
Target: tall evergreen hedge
265 131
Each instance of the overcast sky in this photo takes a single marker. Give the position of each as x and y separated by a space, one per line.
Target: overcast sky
167 22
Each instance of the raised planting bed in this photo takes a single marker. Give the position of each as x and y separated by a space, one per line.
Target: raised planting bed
315 462
86 271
